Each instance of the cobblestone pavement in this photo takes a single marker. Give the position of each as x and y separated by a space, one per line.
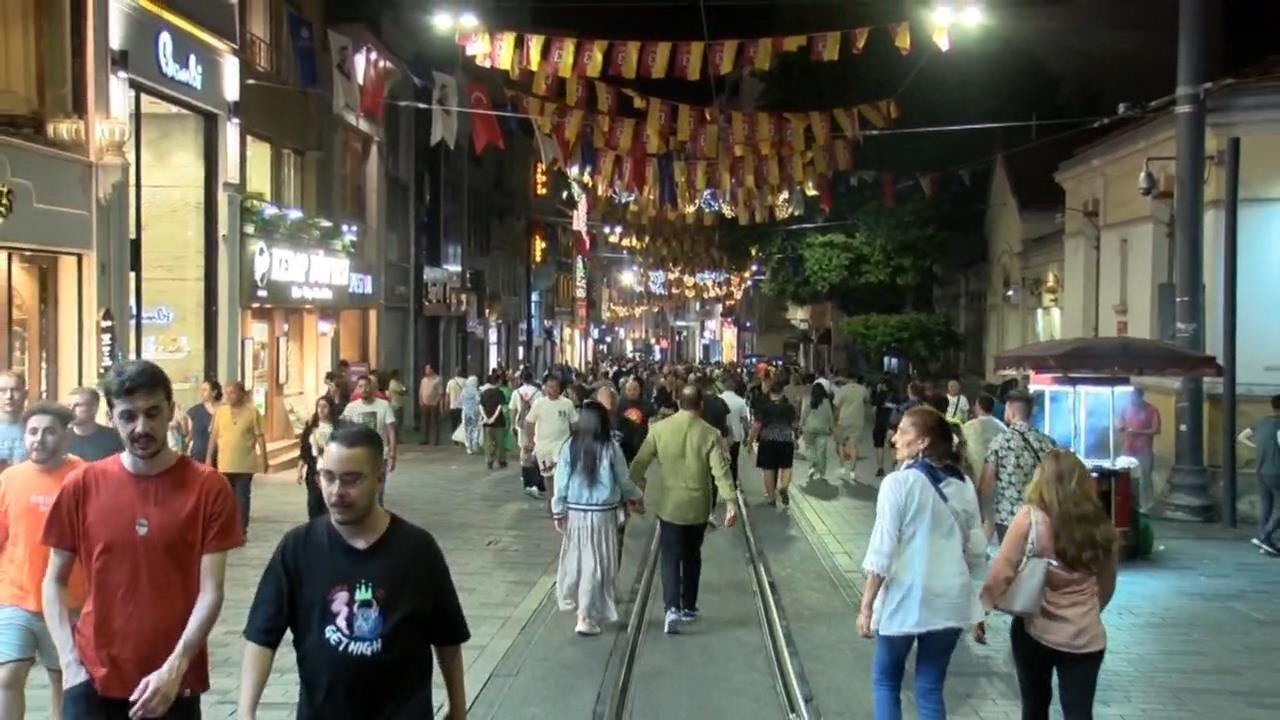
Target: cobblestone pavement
1193 631
500 547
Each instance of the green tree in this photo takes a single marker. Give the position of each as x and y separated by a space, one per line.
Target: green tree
923 339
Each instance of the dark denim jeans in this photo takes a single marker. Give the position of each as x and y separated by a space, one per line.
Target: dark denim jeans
681 549
82 702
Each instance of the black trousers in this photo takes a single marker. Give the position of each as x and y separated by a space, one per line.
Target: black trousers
242 486
431 425
315 500
681 549
455 418
1036 663
82 702
733 461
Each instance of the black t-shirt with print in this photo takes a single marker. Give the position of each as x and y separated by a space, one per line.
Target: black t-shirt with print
364 622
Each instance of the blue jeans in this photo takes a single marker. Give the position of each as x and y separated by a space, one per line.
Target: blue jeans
932 658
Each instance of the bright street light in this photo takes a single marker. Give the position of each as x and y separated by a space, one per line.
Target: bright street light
627 278
442 21
944 16
468 21
973 16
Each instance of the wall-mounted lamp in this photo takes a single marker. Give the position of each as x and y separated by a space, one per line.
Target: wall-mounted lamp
120 63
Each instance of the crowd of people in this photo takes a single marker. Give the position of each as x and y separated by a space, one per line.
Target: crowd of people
114 543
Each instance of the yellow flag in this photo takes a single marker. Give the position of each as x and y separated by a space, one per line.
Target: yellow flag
727 57
872 113
684 122
847 122
626 58
572 125
504 45
600 131
772 172
844 155
568 47
942 38
738 125
764 54
575 91
606 169
700 175
595 62
902 36
797 167
628 132
794 42
533 51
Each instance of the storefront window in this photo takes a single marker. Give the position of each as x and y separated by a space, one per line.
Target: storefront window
167 202
257 168
290 178
39 321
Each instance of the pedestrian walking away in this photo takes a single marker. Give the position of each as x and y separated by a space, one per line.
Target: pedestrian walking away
521 402
774 428
1063 521
453 396
472 420
925 547
26 492
146 513
1011 462
817 423
851 401
691 456
492 404
592 484
367 597
739 421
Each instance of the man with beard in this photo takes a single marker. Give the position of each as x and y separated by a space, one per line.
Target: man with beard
238 446
26 492
152 529
13 398
366 596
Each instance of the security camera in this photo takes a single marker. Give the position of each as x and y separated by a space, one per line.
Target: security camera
1146 182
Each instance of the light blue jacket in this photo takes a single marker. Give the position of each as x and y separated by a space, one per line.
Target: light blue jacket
613 484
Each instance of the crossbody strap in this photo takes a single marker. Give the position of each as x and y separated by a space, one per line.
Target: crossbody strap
1030 446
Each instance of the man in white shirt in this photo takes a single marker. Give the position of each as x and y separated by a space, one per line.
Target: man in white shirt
547 427
453 396
978 434
851 402
429 397
376 413
739 420
957 404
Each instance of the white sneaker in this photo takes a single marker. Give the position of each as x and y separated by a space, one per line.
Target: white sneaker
533 492
671 626
587 628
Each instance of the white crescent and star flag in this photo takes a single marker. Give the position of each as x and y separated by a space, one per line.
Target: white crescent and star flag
346 89
444 113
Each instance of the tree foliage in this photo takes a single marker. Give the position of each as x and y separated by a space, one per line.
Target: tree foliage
919 337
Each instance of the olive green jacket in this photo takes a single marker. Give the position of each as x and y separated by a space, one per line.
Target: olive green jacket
691 456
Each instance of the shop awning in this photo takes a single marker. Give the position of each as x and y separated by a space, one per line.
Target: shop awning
1113 356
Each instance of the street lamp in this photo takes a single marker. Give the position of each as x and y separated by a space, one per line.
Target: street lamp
945 16
444 21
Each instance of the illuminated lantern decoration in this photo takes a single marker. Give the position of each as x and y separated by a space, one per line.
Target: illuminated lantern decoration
539 247
541 183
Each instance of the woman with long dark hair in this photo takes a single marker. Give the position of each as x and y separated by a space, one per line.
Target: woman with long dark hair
817 423
774 429
591 485
927 542
315 435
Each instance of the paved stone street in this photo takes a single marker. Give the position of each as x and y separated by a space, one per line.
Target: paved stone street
499 544
1191 630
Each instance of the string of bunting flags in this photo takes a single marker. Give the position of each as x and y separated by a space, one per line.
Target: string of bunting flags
657 59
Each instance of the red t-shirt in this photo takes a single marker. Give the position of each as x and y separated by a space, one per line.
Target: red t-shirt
1142 417
140 540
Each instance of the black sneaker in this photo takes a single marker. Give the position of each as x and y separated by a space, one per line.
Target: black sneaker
502 464
785 496
489 464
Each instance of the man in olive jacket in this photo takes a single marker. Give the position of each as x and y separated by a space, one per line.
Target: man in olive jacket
691 455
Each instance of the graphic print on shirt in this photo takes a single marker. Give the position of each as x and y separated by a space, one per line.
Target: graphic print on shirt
635 415
356 629
368 419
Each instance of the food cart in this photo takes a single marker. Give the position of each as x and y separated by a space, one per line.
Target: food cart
1081 387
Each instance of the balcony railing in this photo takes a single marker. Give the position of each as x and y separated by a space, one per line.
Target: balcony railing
260 53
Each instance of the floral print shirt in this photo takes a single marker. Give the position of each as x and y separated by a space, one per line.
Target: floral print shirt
1015 454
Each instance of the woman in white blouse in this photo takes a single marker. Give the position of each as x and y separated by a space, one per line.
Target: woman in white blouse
926 547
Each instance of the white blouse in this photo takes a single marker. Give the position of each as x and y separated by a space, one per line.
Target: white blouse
931 554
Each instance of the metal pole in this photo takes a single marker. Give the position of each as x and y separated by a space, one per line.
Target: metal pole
1230 279
1190 499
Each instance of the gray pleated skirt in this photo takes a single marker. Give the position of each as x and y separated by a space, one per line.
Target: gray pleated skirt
589 565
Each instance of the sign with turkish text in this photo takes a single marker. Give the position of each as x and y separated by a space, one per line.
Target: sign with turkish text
282 274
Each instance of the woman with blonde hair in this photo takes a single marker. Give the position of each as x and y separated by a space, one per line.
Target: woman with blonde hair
1062 520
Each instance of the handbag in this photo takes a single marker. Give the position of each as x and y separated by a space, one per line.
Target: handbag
1026 593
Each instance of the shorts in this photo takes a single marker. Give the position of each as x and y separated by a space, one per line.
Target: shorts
775 455
547 456
879 434
25 637
845 433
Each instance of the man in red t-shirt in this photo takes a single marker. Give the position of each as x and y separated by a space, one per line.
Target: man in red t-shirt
152 529
1140 423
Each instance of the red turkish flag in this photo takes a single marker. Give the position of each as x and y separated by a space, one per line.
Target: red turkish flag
484 126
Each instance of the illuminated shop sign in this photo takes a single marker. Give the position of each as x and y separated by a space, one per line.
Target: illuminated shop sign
281 274
579 277
186 71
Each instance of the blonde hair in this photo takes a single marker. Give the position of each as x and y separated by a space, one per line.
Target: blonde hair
1084 538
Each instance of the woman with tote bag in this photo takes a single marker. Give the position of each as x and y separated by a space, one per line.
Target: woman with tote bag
1056 572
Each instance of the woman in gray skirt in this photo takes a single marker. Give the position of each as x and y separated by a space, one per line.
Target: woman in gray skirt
591 486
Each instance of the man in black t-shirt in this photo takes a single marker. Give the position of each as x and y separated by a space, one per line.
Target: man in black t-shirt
365 595
492 403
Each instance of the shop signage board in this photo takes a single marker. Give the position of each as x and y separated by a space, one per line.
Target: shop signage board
167 57
283 274
106 341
